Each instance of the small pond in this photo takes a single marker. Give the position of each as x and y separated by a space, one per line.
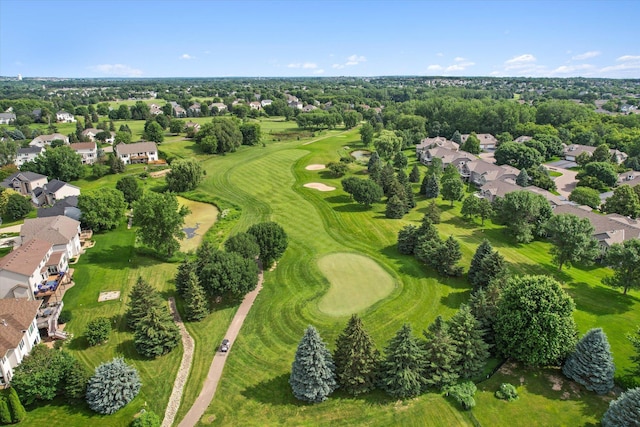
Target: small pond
361 155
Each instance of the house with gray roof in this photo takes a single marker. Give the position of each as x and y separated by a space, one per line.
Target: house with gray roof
24 182
27 154
439 141
7 118
18 333
61 231
487 141
480 172
137 152
67 207
88 151
52 191
448 156
46 140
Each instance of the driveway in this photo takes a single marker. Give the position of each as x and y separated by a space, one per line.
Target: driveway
565 183
562 164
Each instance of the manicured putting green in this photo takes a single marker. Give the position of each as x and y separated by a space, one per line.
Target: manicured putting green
357 282
196 224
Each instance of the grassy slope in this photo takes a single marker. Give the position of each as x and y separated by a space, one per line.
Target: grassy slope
268 187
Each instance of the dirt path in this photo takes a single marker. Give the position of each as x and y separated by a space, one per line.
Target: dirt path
183 371
217 364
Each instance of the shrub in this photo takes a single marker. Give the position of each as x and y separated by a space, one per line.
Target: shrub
463 394
15 406
64 317
5 415
147 419
113 385
507 392
98 331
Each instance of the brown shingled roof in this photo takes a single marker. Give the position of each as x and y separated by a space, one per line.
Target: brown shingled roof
57 230
26 259
15 317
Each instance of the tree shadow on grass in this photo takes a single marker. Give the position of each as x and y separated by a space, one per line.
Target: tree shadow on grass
466 223
455 299
115 257
127 349
274 391
406 264
350 208
600 300
339 199
78 343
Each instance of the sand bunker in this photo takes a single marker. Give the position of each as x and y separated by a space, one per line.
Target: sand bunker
106 296
320 187
315 167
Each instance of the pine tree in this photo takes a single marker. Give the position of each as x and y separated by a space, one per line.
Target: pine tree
156 333
112 386
76 380
414 176
473 351
197 305
185 269
387 179
374 161
440 355
483 250
445 256
141 298
432 212
624 411
484 307
523 178
395 208
15 406
591 363
486 265
410 198
356 359
430 186
313 376
456 137
402 370
401 176
407 239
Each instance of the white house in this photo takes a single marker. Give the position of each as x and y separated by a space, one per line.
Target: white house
7 118
27 268
27 154
137 152
64 117
43 140
266 102
61 231
195 109
24 182
18 333
53 191
255 105
87 150
178 111
219 105
487 141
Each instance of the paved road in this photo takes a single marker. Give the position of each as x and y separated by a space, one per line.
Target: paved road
565 183
217 364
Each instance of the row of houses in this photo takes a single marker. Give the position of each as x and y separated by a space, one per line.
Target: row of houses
32 281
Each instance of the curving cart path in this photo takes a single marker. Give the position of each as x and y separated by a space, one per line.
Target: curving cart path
217 364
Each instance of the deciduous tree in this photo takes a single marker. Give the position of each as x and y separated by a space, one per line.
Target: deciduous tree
98 330
472 144
243 244
624 259
452 189
586 196
160 219
624 201
524 214
572 239
225 272
101 210
130 188
185 175
272 240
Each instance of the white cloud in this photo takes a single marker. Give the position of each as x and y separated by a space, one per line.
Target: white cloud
586 55
351 61
117 70
435 67
519 61
627 58
319 71
338 66
306 65
523 65
458 59
187 56
439 54
565 69
460 66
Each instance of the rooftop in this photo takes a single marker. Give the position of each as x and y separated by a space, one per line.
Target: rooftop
27 258
16 315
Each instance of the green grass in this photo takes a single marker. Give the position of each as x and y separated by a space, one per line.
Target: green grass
554 173
356 282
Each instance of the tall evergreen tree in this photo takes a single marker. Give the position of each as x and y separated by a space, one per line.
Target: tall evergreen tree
181 280
486 265
407 239
402 370
433 212
387 178
440 355
430 186
197 305
591 363
141 298
410 198
414 176
373 161
484 307
624 411
395 208
635 342
156 333
313 376
472 350
523 178
356 359
456 137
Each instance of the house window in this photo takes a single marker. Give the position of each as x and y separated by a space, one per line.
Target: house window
31 329
21 344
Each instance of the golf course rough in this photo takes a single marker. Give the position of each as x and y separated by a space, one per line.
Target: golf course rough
356 282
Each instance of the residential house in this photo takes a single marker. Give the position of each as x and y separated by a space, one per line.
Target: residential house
522 139
53 191
458 158
61 231
295 104
480 172
255 105
137 152
18 333
7 118
27 154
219 105
155 109
87 150
572 151
91 134
195 109
24 182
46 140
608 229
439 141
487 141
64 117
630 178
500 188
192 125
26 271
266 102
308 108
67 207
178 111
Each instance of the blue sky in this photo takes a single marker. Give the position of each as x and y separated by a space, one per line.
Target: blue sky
319 38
